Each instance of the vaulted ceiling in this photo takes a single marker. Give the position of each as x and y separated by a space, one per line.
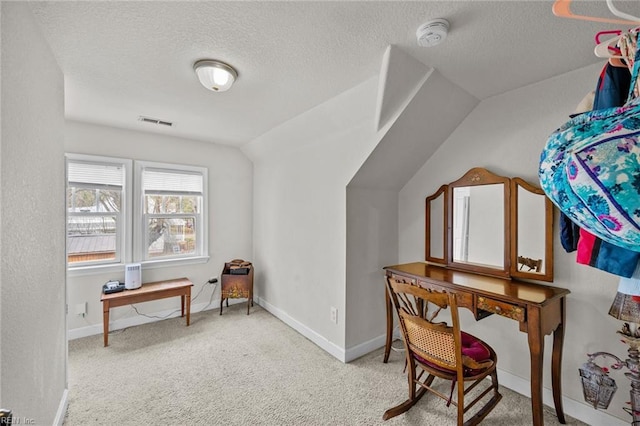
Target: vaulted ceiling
122 60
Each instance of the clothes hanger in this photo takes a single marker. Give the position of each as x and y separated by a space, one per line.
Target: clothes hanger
604 49
607 49
562 9
617 62
601 33
621 14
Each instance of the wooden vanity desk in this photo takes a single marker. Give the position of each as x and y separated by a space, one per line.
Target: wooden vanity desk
539 310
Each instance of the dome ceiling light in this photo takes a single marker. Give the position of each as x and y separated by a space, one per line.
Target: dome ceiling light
215 75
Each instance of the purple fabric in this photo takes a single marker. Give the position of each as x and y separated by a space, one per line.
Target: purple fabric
472 347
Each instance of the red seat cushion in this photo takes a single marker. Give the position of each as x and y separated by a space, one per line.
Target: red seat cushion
472 347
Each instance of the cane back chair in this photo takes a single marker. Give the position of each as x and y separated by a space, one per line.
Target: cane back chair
438 350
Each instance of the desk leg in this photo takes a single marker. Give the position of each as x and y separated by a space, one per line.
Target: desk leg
182 305
556 363
536 349
187 301
105 322
387 346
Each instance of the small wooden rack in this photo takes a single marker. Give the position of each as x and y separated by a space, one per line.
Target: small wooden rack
236 283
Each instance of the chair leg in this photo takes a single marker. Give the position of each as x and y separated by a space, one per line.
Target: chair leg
411 377
486 409
406 405
460 401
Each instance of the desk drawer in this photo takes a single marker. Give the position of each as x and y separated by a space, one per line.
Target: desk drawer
501 308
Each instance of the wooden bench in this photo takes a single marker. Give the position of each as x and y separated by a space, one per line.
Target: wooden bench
149 291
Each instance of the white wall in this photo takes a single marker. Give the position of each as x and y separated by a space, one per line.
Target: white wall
372 243
419 108
230 217
506 134
326 184
32 272
301 171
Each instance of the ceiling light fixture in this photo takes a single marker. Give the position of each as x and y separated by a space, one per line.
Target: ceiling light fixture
215 75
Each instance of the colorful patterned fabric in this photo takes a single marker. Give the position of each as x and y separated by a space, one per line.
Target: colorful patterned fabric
611 91
590 168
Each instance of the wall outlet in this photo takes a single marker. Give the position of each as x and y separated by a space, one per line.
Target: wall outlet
81 309
334 315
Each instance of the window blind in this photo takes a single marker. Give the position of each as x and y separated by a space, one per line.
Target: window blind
95 174
162 181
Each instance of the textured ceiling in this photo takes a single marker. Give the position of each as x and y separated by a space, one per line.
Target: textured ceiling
126 59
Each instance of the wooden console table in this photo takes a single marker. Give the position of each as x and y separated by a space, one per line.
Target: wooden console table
539 309
149 291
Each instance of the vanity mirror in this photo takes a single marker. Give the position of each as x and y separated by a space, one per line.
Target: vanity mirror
478 221
436 222
491 225
531 232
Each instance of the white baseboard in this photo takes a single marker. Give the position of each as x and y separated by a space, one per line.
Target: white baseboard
62 409
362 349
94 329
316 338
573 408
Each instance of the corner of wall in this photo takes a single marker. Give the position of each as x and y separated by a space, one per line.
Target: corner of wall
349 110
401 76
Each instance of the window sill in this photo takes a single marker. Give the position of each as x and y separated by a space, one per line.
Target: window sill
119 267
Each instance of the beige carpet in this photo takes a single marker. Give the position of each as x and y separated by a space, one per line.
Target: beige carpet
236 369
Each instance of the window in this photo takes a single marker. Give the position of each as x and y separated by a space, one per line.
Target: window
105 228
172 212
96 203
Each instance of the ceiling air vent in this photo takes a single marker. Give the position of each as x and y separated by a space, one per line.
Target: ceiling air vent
155 121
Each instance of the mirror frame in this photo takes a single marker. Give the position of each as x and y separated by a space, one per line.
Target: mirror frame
478 177
548 232
481 176
427 254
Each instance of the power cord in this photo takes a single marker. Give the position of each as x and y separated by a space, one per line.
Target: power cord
396 349
210 298
211 281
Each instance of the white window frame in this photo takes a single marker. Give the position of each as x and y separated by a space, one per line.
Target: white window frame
141 235
133 230
123 234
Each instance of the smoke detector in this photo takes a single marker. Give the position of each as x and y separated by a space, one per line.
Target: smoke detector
432 33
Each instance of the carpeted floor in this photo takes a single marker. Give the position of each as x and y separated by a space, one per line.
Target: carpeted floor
236 369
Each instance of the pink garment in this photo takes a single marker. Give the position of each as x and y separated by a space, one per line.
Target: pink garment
585 247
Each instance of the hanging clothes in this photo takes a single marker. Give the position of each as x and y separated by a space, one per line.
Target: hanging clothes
611 91
590 168
630 285
569 231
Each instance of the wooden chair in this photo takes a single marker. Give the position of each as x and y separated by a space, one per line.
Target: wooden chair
441 351
533 264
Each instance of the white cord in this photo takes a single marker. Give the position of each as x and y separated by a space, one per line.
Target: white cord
396 349
179 310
